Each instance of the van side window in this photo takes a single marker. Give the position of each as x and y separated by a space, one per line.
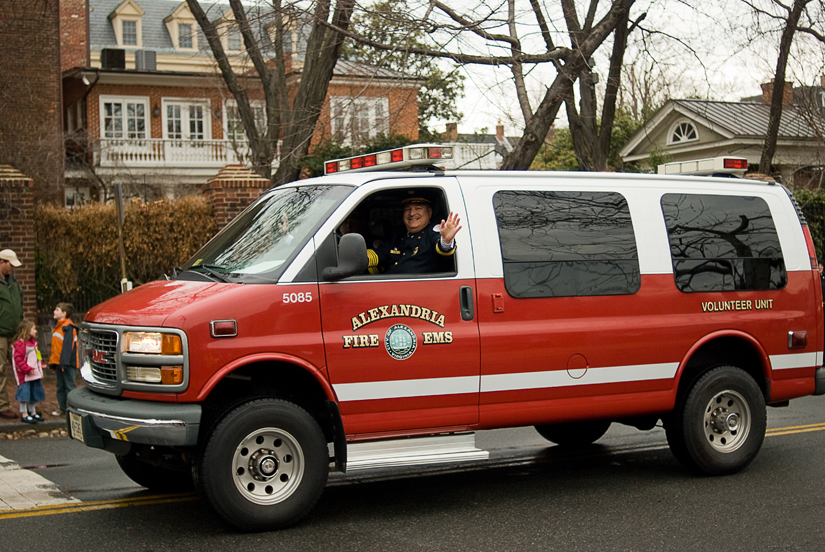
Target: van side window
723 243
563 244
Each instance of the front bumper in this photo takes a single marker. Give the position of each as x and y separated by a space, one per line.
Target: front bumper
112 423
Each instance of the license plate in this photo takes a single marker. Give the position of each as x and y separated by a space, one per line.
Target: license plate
76 426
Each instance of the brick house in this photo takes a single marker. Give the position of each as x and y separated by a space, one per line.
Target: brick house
147 108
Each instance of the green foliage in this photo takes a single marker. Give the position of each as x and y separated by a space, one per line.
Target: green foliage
812 203
560 155
313 164
77 257
388 22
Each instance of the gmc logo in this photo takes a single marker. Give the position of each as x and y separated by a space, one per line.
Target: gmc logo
98 356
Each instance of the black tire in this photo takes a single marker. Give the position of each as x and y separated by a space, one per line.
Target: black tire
719 427
265 465
574 434
153 475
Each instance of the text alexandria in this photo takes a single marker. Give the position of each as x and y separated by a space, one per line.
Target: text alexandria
395 311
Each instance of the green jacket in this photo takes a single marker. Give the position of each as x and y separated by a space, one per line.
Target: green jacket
11 306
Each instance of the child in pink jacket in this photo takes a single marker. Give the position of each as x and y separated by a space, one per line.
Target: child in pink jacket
28 371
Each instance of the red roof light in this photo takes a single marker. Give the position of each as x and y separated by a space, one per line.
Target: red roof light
397 155
736 164
332 167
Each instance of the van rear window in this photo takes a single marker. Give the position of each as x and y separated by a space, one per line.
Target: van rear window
564 244
723 243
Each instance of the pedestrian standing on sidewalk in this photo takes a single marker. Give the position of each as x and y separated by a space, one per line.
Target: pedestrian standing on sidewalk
11 314
63 357
28 371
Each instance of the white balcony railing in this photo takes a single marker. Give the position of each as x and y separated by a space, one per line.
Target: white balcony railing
170 154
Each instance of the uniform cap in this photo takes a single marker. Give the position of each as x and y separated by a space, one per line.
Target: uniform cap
413 200
10 256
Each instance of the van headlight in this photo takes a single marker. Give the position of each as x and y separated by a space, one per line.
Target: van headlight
155 343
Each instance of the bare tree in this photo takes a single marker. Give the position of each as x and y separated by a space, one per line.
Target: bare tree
294 118
790 28
499 32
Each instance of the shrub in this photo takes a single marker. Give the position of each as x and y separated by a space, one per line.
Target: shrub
77 255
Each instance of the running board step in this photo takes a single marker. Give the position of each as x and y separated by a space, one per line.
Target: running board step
414 451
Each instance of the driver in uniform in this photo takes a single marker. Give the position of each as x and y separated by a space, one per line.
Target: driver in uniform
423 248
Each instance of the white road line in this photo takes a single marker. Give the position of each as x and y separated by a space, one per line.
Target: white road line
21 489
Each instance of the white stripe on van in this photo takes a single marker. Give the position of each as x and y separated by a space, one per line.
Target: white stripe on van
796 360
560 378
398 389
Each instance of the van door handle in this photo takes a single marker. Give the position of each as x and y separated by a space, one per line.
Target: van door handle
465 295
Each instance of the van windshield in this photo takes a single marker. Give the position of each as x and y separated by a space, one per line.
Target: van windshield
261 241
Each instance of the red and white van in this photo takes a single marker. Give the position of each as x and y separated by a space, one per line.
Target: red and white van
573 300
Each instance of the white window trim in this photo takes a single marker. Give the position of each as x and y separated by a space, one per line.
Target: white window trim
339 103
123 100
128 11
676 125
207 127
182 15
232 104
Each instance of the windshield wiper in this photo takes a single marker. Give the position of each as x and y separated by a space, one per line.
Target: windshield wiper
209 269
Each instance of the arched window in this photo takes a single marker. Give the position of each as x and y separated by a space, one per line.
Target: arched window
684 131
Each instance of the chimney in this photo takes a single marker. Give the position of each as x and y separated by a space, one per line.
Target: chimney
452 132
500 132
767 93
821 80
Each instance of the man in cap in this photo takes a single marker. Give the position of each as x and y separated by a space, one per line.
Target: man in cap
423 248
11 314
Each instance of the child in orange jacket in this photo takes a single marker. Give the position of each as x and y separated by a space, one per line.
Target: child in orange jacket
64 363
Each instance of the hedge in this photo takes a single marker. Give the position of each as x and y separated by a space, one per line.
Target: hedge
77 256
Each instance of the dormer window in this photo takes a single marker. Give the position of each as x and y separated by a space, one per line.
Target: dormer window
126 22
233 40
185 35
684 131
182 28
130 33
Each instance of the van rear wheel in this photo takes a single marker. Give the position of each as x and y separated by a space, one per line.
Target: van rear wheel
719 427
265 465
574 434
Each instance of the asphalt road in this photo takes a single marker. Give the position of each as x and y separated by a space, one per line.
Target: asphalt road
625 493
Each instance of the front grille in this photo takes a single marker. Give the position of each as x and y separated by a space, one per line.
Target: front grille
101 351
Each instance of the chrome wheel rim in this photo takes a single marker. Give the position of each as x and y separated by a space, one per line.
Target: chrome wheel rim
267 466
727 421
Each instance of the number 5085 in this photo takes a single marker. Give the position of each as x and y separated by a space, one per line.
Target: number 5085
298 297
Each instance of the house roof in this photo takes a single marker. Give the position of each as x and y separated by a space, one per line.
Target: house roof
733 120
155 35
749 119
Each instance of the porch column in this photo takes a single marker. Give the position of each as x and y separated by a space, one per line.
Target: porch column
232 190
17 231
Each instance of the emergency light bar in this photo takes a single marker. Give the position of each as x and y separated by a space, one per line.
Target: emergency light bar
704 167
398 158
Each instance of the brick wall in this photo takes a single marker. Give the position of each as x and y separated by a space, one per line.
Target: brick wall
17 230
231 191
31 137
73 37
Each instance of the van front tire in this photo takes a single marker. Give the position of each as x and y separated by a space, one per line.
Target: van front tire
719 427
265 465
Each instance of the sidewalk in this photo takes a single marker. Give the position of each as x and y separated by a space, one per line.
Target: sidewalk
49 423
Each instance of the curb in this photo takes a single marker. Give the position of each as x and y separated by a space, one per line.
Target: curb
47 425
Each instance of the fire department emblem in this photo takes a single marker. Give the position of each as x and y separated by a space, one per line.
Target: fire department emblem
400 342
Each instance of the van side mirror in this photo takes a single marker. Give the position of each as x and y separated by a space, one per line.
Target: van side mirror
352 258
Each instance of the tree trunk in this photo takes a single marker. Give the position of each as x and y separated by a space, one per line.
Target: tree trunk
769 147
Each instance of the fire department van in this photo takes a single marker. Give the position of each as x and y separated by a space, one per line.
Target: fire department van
570 301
